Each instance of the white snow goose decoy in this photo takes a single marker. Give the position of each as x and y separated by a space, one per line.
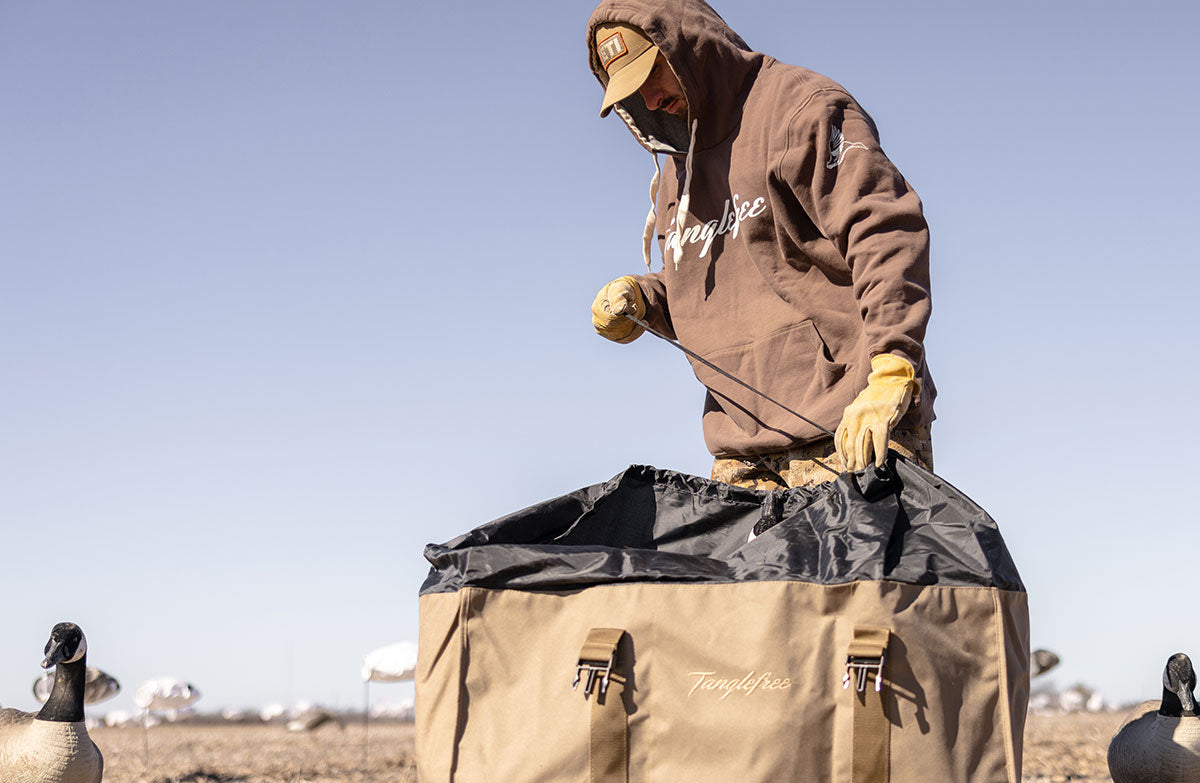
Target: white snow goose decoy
1160 740
53 746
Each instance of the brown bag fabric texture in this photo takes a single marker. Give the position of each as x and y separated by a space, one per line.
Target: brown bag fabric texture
718 679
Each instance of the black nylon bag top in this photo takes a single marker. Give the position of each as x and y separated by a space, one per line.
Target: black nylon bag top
901 523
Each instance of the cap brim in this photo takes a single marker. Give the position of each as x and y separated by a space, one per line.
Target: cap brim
628 79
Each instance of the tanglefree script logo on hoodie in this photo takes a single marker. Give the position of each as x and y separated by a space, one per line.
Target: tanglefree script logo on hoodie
734 212
709 682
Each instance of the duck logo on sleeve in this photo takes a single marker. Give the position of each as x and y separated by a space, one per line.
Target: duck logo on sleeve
838 147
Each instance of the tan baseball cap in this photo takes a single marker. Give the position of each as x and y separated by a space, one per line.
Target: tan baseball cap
627 55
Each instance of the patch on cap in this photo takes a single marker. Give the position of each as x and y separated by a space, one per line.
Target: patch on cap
611 48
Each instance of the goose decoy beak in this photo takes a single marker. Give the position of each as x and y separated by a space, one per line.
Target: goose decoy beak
1189 703
53 656
55 653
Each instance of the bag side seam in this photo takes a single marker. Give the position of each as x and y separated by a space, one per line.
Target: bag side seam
1002 675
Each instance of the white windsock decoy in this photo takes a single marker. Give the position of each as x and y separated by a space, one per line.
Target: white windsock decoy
53 746
271 712
97 686
165 693
119 719
1160 740
394 663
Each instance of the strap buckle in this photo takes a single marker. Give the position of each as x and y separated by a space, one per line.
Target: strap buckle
861 667
596 670
597 660
867 653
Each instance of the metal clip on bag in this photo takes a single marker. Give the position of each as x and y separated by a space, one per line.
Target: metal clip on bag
875 630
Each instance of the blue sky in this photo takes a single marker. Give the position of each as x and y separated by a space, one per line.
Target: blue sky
290 289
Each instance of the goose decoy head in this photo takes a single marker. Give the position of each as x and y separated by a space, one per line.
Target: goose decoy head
66 645
1179 683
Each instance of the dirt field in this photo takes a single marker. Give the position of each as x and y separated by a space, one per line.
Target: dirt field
1061 748
1058 749
257 754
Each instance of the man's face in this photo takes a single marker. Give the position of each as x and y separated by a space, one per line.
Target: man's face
662 90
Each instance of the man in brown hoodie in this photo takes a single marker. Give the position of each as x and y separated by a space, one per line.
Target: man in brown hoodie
795 255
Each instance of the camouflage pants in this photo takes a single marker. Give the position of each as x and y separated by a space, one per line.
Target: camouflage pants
798 467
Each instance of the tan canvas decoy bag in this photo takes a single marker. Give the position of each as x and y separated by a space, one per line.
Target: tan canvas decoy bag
874 629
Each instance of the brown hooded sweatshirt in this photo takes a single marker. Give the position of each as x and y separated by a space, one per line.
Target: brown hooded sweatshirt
804 252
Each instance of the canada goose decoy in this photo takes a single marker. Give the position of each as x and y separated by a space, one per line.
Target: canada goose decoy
53 746
1160 740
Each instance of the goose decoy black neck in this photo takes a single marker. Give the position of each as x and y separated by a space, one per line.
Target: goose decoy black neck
1179 684
66 651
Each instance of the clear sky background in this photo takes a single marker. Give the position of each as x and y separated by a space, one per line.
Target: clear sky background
289 289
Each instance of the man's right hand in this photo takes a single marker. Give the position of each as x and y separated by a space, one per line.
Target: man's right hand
620 297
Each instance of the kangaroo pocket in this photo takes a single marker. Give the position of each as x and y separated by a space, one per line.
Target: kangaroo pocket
791 366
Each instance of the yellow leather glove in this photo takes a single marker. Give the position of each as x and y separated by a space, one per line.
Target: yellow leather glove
621 296
862 437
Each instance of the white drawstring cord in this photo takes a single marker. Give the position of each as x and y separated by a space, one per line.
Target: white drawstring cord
652 215
685 199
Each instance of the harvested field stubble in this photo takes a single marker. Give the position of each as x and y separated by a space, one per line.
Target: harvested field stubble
185 753
1068 748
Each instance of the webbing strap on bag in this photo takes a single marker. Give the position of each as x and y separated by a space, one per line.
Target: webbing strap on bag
608 750
871 738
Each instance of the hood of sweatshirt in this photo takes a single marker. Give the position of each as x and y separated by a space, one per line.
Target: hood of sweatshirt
714 66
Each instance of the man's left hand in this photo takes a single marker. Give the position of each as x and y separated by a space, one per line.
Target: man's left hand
862 437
